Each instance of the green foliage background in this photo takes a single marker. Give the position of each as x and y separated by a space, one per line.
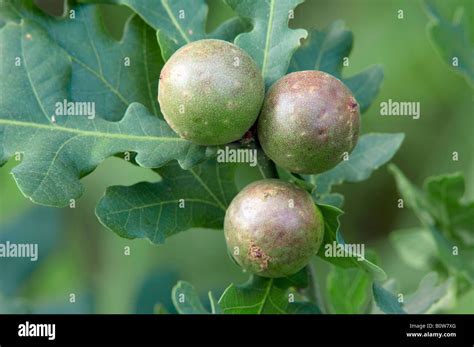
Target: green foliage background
89 260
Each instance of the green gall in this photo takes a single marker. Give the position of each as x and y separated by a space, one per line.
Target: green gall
210 92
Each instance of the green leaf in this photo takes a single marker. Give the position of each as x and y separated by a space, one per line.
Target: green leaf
186 299
348 290
226 31
57 154
333 236
371 152
455 257
229 29
385 300
179 22
100 73
441 210
453 215
333 199
7 13
152 210
428 294
270 42
182 21
188 21
416 246
266 295
299 280
450 35
325 50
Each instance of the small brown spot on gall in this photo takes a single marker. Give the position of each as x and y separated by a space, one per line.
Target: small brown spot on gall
269 193
353 105
273 192
323 135
257 254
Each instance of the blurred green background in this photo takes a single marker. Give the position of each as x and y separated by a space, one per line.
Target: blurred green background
82 257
